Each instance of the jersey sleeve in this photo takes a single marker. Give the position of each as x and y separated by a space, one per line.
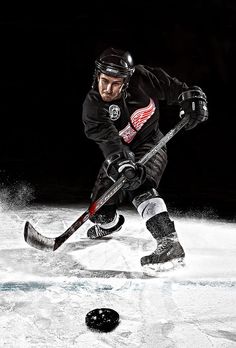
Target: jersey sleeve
168 88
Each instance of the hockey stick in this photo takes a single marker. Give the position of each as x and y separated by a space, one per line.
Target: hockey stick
38 241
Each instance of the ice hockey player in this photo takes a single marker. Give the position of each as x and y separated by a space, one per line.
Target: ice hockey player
121 115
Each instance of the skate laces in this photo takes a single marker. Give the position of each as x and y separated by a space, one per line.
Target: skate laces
162 246
100 232
165 243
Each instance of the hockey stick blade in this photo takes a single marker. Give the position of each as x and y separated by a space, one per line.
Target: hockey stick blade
38 241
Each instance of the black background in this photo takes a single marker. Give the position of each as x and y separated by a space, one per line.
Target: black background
47 68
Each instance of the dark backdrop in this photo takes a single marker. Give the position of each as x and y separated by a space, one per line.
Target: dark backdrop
46 70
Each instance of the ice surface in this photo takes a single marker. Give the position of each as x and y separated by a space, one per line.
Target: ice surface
44 296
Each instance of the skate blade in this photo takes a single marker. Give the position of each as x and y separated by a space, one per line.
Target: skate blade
154 269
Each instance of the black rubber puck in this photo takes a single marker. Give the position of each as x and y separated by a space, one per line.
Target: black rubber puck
102 319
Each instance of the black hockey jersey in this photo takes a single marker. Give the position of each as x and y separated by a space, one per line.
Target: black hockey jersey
133 119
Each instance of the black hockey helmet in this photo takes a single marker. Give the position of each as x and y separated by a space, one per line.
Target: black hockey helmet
115 62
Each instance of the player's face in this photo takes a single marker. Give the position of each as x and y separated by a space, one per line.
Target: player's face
110 87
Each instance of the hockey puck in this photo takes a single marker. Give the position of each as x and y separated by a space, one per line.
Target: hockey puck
102 319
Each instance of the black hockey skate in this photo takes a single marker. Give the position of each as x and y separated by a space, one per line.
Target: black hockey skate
169 253
96 231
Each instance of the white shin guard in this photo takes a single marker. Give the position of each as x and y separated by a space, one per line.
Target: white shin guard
149 204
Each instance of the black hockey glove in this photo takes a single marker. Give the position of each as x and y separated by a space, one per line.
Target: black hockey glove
193 102
123 163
